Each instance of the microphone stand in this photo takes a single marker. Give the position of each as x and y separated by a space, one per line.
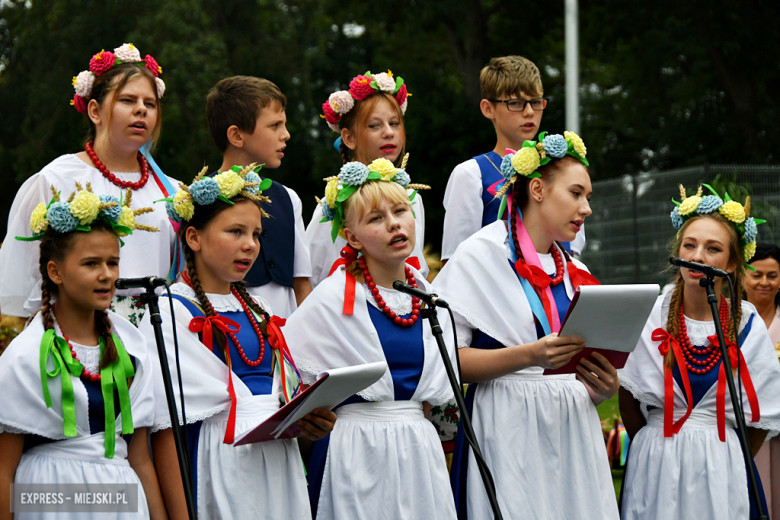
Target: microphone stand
709 284
149 298
429 313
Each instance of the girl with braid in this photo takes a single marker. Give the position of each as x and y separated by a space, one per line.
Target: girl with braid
510 286
78 381
685 459
235 365
369 118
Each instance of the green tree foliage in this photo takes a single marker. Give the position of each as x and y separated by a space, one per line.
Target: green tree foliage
664 85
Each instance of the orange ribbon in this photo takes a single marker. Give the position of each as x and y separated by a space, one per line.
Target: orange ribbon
735 357
670 342
349 255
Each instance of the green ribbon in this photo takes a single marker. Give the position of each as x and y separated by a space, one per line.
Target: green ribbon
114 377
56 347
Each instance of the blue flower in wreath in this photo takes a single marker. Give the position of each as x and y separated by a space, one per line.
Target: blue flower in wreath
751 230
204 191
60 217
507 170
112 213
402 178
677 220
353 173
709 204
555 146
171 211
328 212
252 177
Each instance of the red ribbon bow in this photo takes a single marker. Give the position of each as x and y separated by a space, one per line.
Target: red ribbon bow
735 357
580 276
276 340
205 325
539 280
670 342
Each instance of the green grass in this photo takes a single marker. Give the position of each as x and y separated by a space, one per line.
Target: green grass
608 410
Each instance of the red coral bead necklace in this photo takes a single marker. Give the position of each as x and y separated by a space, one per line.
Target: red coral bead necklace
558 258
113 178
401 322
701 366
250 315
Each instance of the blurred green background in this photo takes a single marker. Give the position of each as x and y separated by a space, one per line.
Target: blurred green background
663 84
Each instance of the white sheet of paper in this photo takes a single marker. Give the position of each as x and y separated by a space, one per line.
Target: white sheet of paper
341 384
611 316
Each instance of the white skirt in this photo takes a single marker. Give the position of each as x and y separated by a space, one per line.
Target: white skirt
541 438
79 460
688 476
260 480
385 462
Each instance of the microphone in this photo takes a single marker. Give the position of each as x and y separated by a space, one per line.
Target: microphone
708 270
430 299
148 283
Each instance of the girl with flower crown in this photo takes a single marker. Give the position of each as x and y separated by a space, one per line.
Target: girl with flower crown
685 459
510 285
120 95
78 381
235 364
370 120
383 459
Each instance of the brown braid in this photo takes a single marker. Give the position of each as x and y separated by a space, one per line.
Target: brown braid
736 299
240 288
203 299
103 326
47 289
344 153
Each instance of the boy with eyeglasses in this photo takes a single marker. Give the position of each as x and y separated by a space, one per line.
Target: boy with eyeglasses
512 100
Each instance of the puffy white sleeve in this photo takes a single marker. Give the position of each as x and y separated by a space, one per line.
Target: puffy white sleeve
463 206
321 247
302 262
20 282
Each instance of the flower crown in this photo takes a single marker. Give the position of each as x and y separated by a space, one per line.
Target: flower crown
535 154
362 86
238 180
81 210
104 61
734 212
353 175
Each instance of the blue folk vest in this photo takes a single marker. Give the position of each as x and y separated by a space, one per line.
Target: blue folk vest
491 177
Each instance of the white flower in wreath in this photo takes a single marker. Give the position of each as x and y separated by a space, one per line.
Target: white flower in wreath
83 83
385 82
127 53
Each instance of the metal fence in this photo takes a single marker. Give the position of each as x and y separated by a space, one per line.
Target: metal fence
629 232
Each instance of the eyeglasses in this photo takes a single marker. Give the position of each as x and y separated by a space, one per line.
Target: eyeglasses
518 105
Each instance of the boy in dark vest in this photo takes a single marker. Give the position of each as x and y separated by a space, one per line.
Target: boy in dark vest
246 118
512 100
